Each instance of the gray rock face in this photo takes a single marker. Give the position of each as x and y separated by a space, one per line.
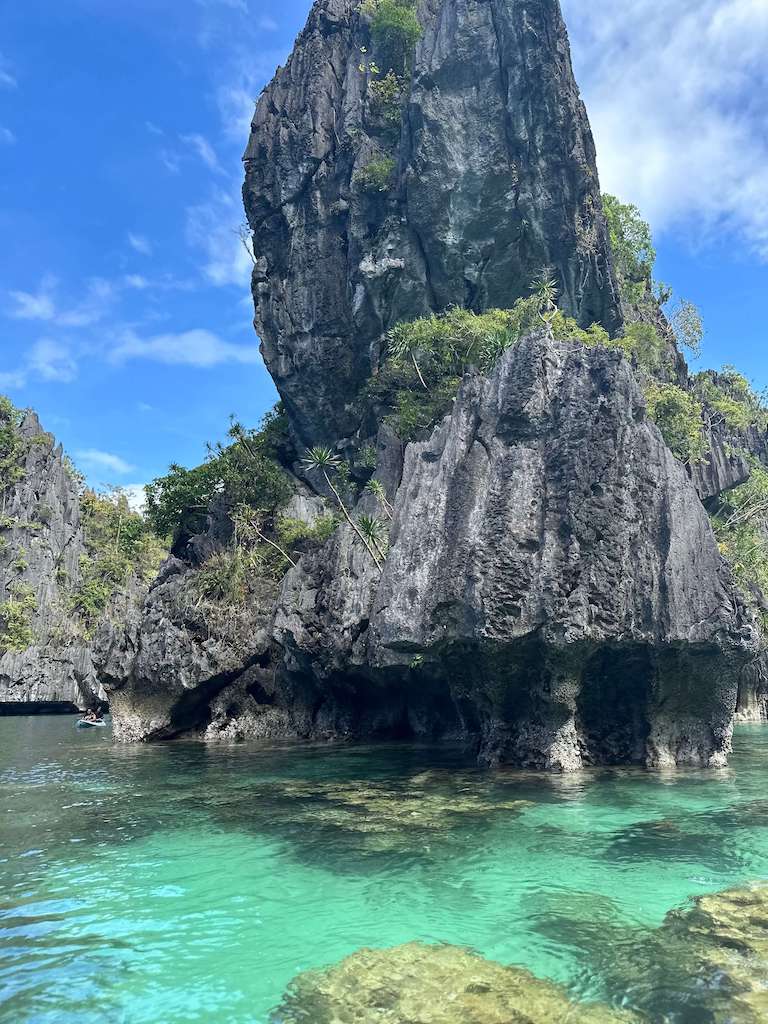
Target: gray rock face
726 464
42 545
552 573
494 179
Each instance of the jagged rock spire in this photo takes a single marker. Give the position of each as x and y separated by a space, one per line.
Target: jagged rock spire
493 177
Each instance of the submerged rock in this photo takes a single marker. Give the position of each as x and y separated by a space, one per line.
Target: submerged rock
387 817
431 985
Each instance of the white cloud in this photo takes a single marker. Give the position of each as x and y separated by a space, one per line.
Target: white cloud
198 347
676 94
153 129
212 228
7 80
47 360
267 24
37 305
52 360
42 304
140 244
137 498
98 298
136 281
94 458
204 150
6 136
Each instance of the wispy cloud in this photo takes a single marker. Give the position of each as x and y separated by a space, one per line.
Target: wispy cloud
42 304
47 360
677 101
37 305
153 129
204 150
140 244
94 458
198 347
52 360
7 79
212 228
7 138
267 24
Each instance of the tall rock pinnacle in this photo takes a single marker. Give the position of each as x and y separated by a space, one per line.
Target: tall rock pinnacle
458 184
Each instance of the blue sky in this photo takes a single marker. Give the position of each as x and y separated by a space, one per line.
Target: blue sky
124 305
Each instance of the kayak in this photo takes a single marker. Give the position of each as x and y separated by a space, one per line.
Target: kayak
82 724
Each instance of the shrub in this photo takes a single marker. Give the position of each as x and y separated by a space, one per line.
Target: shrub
678 415
377 175
729 396
740 527
632 245
12 446
395 30
242 472
16 633
119 542
387 94
294 533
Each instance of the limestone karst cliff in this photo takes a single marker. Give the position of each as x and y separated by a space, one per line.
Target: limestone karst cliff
43 664
486 173
521 558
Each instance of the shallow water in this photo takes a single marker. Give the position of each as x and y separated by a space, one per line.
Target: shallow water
184 883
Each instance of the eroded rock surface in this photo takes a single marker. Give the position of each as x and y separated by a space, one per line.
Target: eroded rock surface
494 178
551 569
42 543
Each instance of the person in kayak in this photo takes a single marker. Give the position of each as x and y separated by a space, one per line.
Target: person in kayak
91 715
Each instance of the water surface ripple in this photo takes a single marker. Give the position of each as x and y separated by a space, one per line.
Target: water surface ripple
181 883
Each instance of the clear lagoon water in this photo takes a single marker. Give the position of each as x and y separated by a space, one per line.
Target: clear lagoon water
185 883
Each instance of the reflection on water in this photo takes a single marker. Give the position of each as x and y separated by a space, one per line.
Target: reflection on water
190 883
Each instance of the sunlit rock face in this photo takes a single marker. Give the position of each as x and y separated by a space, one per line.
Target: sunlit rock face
494 177
551 569
41 543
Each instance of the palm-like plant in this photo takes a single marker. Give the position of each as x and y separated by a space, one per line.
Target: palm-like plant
373 530
376 488
324 460
400 346
545 290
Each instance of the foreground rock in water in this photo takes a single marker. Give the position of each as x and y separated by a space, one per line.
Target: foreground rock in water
478 191
41 543
431 985
551 571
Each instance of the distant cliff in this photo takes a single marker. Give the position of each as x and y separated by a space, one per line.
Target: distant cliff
66 555
44 664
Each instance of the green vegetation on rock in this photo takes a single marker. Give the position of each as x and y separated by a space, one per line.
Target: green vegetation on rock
244 472
740 523
395 30
679 416
16 633
377 175
120 543
12 446
634 254
730 399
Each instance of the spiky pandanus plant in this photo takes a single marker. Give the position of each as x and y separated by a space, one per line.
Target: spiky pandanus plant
545 290
374 531
325 461
376 488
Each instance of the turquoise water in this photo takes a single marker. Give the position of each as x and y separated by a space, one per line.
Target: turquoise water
181 883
